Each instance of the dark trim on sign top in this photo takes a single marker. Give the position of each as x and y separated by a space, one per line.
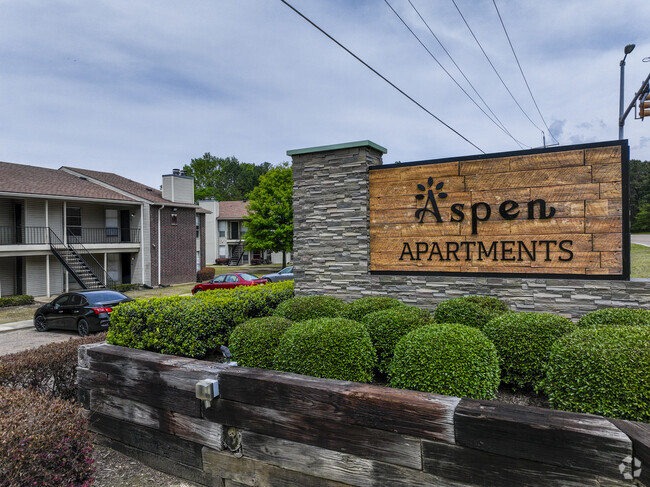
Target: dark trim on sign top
562 148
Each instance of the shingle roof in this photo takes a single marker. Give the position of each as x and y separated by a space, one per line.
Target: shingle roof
132 187
232 210
20 178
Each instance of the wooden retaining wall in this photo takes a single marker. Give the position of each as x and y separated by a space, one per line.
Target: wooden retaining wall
270 428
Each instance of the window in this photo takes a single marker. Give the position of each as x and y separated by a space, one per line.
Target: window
234 230
198 226
219 278
232 278
73 220
222 251
174 218
112 223
61 300
222 231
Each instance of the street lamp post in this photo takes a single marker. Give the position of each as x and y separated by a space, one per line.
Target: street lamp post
621 122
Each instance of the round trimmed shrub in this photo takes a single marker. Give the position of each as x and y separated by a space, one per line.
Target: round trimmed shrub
450 359
615 317
523 342
602 371
45 441
359 308
331 348
253 342
311 307
387 327
473 311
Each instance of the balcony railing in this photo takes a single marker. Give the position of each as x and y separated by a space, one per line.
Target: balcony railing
21 235
102 235
24 235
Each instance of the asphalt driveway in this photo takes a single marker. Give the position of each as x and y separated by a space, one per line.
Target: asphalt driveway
641 239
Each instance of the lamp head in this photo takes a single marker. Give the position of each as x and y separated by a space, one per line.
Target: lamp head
629 48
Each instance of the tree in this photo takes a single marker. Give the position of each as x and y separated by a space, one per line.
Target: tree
639 187
224 179
270 213
641 222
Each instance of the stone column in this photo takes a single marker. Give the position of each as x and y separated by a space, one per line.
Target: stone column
331 235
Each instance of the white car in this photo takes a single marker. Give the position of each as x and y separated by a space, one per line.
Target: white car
285 274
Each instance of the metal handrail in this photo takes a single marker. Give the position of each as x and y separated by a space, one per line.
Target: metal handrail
22 235
108 282
100 235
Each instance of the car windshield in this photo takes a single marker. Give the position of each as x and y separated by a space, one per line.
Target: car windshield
104 297
286 270
248 277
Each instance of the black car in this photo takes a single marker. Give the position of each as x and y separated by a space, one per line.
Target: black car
84 311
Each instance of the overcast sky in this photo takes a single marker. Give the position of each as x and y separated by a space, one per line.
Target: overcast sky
141 87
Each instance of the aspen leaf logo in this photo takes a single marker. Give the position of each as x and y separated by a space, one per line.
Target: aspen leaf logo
430 205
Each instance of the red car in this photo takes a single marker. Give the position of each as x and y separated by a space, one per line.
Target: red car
229 281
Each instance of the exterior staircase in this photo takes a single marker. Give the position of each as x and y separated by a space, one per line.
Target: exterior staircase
70 256
237 253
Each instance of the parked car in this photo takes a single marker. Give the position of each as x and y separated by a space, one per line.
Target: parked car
229 281
84 311
285 274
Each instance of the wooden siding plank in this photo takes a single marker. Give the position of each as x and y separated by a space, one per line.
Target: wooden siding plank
148 439
407 413
529 179
319 431
335 466
580 442
196 430
478 468
254 473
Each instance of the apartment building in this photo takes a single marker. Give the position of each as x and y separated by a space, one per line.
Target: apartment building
78 228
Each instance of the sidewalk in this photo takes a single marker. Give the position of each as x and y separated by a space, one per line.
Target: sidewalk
16 325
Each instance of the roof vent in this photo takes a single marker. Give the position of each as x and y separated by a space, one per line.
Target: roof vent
183 172
176 172
149 189
83 177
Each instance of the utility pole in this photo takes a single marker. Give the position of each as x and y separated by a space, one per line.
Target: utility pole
621 119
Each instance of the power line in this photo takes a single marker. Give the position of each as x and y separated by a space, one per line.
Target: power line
500 123
522 71
380 75
495 69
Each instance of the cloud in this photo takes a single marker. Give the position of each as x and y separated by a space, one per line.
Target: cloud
557 128
136 88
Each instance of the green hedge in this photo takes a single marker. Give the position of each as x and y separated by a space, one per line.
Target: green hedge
331 348
450 359
473 311
44 441
359 308
311 307
602 371
20 300
387 327
253 342
615 317
122 288
523 342
192 326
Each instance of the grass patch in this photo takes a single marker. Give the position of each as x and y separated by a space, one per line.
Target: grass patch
640 261
18 313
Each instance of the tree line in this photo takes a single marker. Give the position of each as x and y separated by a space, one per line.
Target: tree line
639 196
268 191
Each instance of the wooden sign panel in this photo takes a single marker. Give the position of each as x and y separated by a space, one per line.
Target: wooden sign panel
552 212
